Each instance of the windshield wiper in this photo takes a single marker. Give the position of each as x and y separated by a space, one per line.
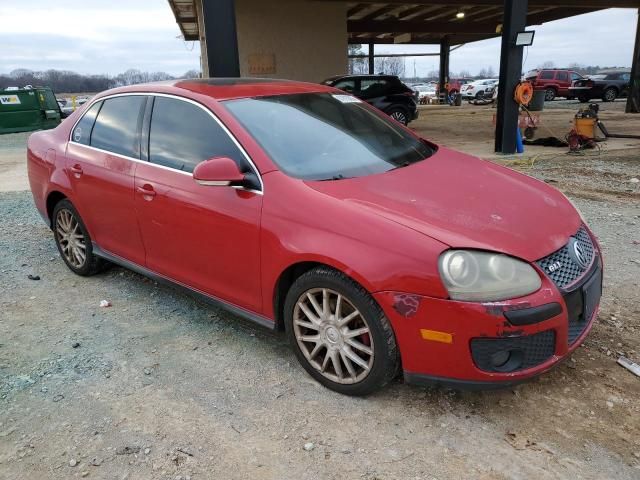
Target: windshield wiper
338 176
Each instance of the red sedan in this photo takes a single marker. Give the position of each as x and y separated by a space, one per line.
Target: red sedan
302 208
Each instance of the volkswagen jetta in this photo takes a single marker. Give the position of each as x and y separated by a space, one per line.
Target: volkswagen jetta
302 208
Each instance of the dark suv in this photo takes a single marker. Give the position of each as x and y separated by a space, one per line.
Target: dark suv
607 86
554 81
385 92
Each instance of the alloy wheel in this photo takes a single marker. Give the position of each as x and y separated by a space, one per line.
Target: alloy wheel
400 117
610 95
70 238
333 336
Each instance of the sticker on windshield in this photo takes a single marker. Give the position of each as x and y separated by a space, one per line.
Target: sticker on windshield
346 98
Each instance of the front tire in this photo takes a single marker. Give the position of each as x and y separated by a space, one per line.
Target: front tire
73 240
399 115
339 333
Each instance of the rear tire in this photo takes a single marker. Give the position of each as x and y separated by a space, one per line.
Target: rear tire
610 95
550 95
353 358
73 240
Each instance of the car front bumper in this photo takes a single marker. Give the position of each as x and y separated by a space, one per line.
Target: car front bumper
472 340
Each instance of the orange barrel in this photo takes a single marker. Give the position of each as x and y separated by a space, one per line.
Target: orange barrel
586 127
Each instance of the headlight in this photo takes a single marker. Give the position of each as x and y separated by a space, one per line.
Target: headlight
486 277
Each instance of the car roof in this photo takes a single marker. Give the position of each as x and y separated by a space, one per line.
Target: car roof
226 88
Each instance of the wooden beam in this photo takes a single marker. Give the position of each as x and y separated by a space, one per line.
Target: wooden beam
532 3
399 26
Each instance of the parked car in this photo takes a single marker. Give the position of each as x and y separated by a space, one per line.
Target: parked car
300 207
607 86
385 92
476 90
556 82
426 92
65 107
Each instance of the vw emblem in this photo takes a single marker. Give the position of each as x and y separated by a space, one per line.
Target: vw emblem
580 255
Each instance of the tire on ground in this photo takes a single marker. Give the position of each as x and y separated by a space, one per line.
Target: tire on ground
386 359
92 264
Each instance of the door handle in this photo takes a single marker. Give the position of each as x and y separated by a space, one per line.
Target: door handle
147 191
76 170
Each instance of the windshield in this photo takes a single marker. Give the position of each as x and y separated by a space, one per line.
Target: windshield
323 136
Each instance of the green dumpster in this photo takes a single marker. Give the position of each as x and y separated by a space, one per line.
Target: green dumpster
26 109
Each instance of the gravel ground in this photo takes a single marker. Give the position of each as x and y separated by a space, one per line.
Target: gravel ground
159 386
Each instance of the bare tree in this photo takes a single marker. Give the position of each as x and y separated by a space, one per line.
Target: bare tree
390 65
357 65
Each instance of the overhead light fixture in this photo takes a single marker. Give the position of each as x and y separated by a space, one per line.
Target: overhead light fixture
460 15
525 39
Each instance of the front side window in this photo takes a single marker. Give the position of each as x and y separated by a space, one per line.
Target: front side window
116 128
82 131
575 76
182 135
322 136
563 76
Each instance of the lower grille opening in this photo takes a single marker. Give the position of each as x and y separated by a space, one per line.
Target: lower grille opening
512 354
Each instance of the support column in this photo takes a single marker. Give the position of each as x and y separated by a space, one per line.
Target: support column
633 102
372 59
515 20
219 39
445 49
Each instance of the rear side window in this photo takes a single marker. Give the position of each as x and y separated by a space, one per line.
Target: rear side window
116 128
546 75
182 135
82 131
346 85
374 88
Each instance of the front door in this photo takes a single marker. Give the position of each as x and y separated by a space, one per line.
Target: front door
101 160
205 237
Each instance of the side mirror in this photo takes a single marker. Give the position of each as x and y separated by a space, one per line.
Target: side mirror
218 172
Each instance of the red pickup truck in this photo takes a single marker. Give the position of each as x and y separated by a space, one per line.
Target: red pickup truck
555 81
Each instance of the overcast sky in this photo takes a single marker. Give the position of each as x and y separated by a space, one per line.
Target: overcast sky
109 37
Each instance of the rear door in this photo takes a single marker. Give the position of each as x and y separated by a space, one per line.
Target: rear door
205 237
102 155
376 91
562 78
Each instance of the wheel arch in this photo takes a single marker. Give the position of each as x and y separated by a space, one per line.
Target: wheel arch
294 271
53 198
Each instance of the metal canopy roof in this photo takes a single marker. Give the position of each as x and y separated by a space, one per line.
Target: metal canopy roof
426 21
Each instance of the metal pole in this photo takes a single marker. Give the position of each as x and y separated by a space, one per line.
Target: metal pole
372 60
221 38
444 65
515 20
633 102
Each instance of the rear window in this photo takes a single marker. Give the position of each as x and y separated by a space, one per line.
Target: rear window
116 128
322 136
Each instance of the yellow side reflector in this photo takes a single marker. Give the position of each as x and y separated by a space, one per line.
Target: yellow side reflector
436 336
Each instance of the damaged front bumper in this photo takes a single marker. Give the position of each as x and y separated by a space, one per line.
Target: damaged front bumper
491 345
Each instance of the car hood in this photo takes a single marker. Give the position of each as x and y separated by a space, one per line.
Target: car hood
465 202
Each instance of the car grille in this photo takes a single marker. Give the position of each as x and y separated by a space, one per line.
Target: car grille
525 352
582 304
562 268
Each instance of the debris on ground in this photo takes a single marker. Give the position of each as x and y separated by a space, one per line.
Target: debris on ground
75 345
309 446
127 450
33 277
629 365
105 303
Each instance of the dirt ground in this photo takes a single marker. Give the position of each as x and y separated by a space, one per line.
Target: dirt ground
159 386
